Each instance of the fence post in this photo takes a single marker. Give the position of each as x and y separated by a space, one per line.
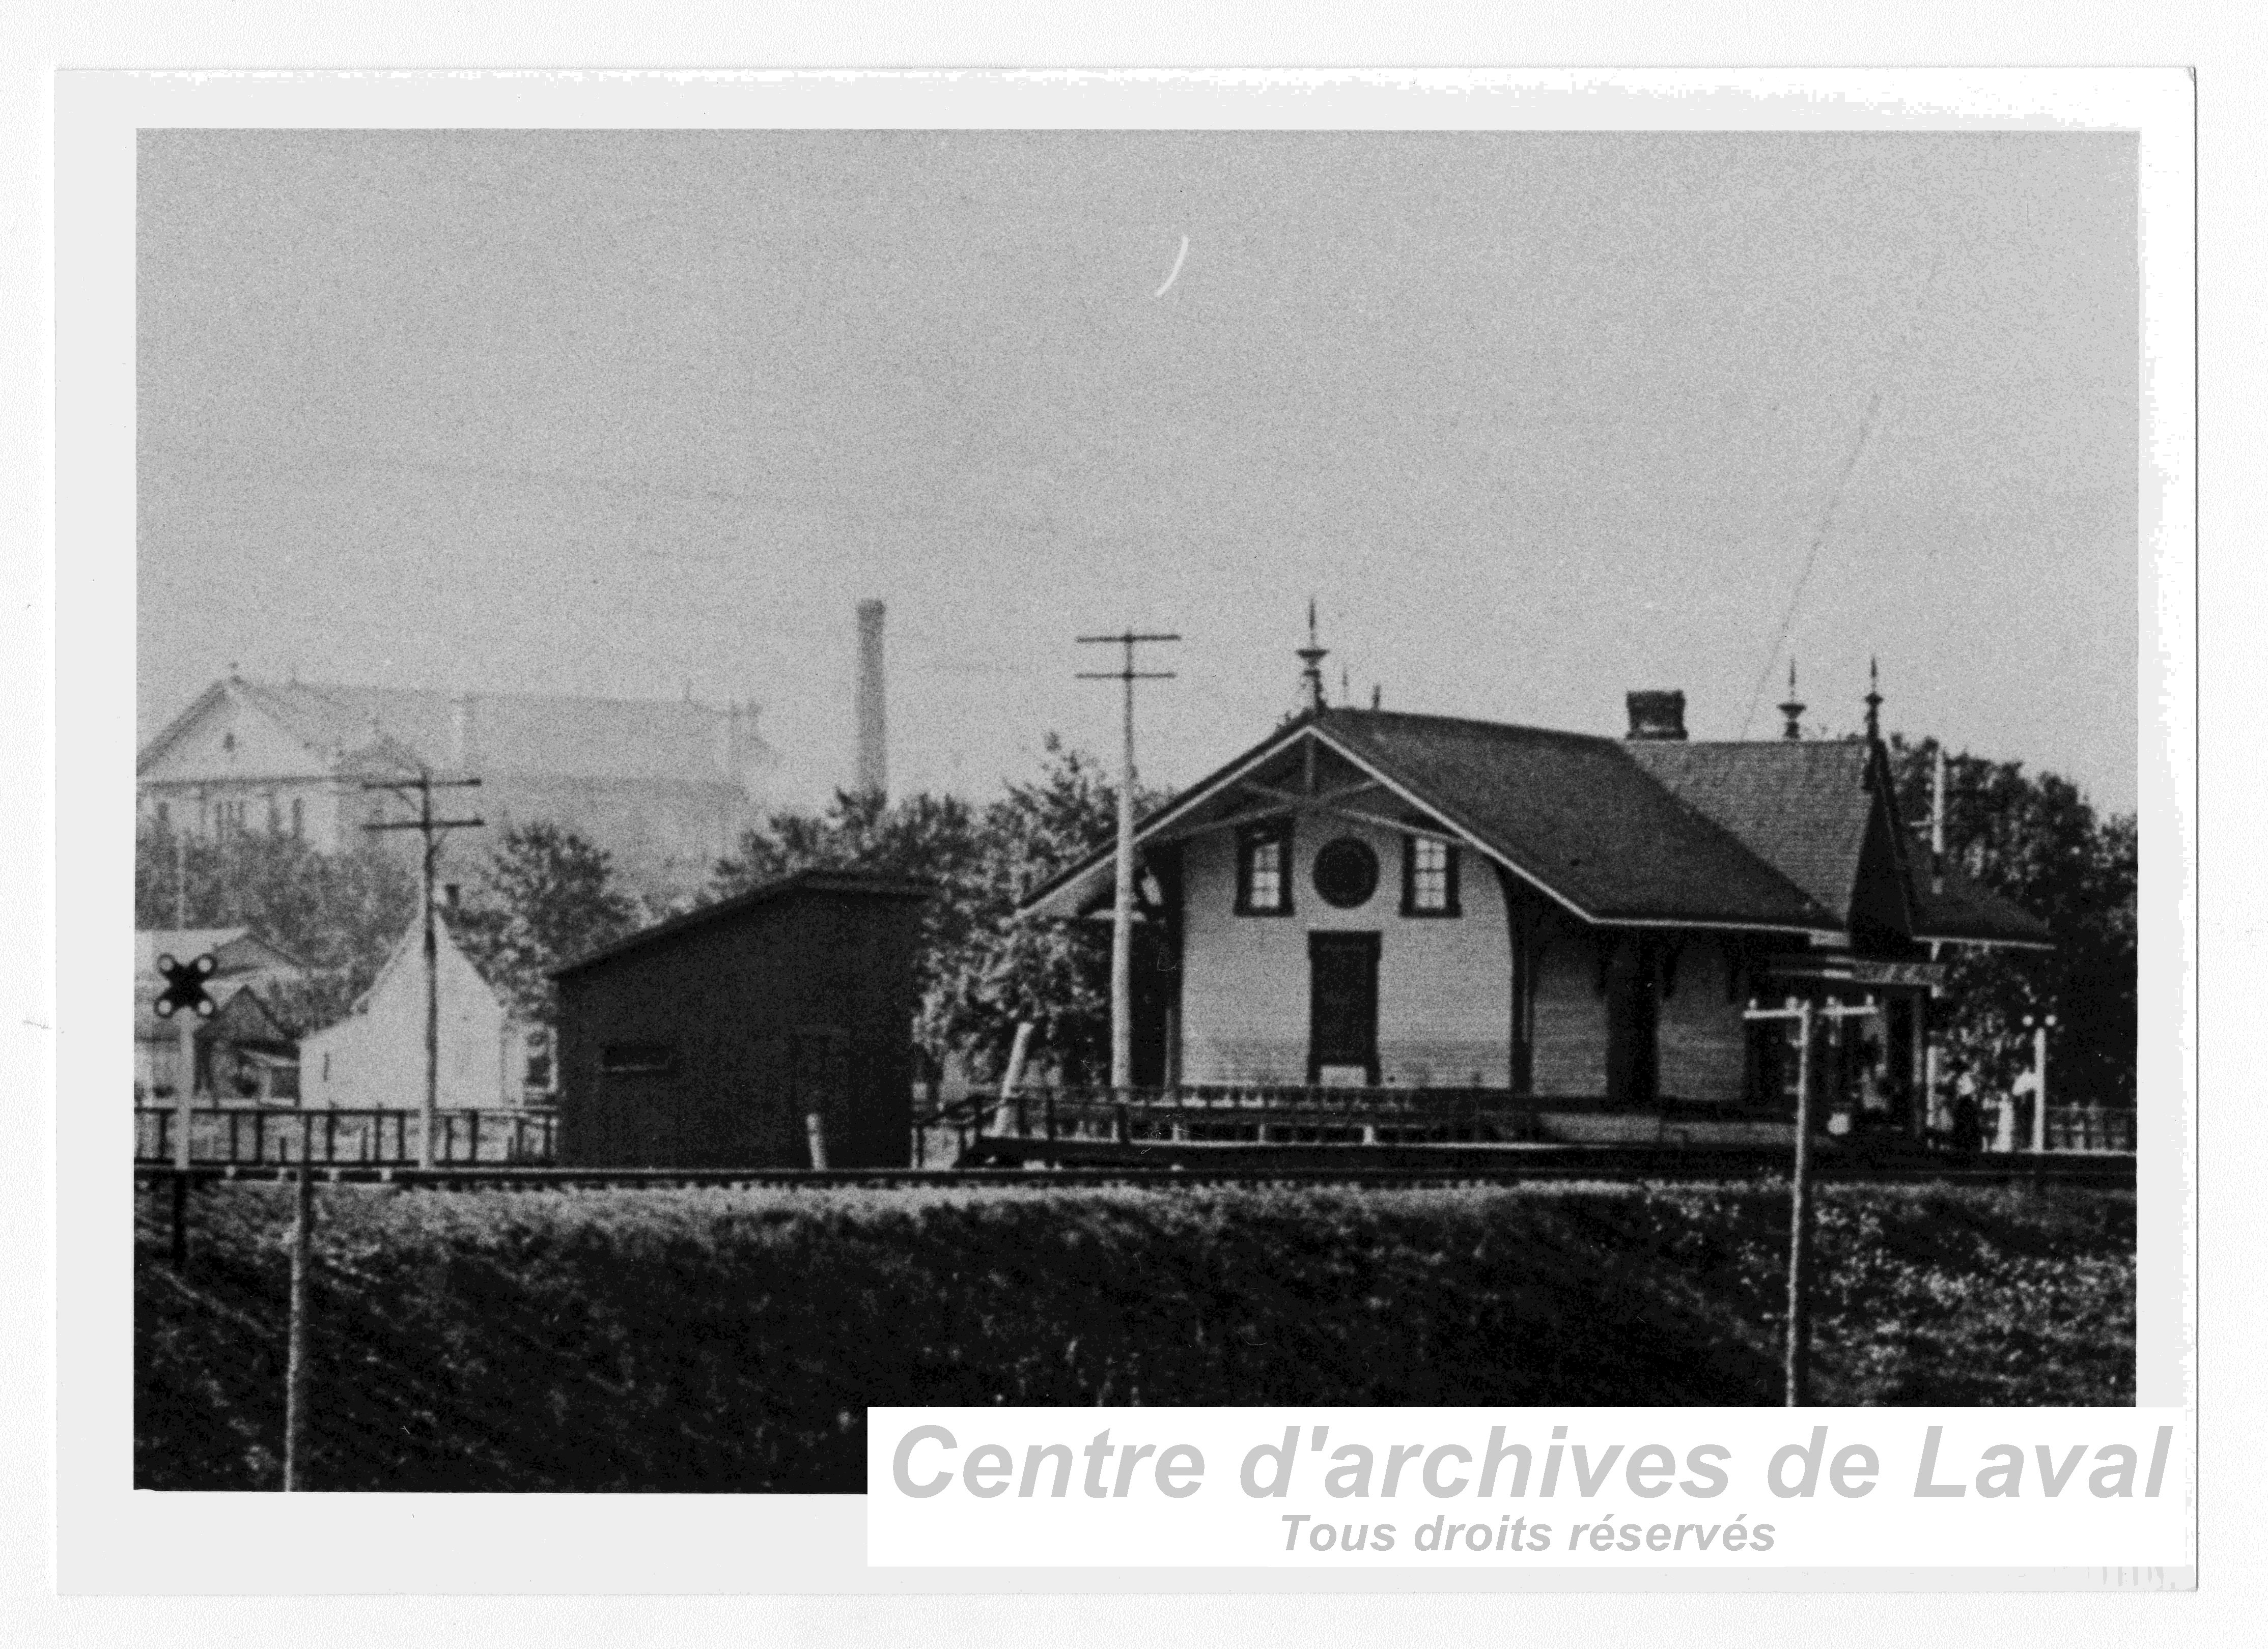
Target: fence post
295 1356
2040 1084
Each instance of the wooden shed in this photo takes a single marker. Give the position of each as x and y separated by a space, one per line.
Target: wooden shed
708 1040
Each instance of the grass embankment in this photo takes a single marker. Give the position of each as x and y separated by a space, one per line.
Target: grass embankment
723 1340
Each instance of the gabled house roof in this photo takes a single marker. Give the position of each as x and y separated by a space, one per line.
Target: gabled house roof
408 953
1578 817
387 730
1801 805
1767 835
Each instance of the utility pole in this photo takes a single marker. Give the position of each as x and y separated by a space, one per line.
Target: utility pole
295 1342
1122 920
1797 1360
431 828
1937 826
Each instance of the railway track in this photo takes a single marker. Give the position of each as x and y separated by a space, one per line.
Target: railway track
1465 1169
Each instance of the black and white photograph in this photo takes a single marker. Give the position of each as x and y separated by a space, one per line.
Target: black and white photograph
782 770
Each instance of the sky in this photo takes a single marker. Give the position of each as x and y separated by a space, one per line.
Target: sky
1535 419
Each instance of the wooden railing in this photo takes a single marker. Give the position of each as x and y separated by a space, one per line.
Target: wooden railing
2089 1129
385 1137
1266 1113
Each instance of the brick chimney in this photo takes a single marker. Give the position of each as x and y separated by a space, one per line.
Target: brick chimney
1656 714
873 773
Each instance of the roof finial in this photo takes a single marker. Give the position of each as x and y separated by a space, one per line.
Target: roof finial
1873 700
1311 658
1793 709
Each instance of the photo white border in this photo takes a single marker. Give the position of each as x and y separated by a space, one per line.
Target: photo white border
115 1540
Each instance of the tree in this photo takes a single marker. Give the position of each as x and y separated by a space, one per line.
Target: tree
338 913
545 897
2035 840
981 972
1054 975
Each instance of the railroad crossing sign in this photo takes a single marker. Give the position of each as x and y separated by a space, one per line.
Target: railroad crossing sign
185 987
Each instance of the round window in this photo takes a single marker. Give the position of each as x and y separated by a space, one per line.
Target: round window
1346 873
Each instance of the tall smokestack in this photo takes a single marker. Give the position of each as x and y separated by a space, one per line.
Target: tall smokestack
873 744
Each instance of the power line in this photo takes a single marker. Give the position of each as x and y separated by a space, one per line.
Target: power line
1897 361
1811 558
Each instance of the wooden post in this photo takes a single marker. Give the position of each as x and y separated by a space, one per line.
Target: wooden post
1121 909
432 985
2040 1084
179 1253
429 829
295 1357
1012 1080
185 1089
814 1130
1798 1236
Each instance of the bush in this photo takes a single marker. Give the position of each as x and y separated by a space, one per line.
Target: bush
692 1340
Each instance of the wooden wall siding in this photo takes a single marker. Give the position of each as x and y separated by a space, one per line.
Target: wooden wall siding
1571 1014
728 1000
1444 984
1701 1036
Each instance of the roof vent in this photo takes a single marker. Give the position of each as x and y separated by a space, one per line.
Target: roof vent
1657 715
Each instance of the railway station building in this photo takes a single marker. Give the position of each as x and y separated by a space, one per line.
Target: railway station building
1566 925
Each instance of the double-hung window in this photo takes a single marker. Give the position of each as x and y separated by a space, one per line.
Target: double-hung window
1429 876
1263 870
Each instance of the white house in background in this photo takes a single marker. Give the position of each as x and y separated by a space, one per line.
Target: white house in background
375 1058
664 785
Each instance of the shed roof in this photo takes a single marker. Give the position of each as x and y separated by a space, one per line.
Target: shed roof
1965 911
807 883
